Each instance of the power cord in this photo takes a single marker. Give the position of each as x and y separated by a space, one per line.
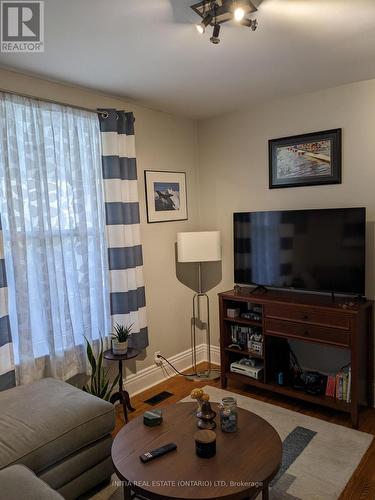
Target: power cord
175 369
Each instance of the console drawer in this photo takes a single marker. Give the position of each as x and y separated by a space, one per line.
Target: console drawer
307 315
307 332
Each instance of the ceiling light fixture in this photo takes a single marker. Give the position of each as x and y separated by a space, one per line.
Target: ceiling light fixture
217 12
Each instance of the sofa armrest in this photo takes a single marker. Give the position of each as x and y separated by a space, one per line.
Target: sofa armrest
17 481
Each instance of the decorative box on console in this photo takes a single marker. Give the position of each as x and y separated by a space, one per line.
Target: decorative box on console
233 313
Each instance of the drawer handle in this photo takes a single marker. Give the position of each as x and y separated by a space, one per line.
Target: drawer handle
305 316
306 333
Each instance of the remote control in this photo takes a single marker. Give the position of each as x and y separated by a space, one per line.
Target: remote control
158 452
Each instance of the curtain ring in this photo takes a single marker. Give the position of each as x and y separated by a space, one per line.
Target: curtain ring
104 114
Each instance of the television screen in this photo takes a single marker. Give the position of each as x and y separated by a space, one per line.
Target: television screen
317 250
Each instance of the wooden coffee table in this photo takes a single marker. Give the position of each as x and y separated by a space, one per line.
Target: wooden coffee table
244 464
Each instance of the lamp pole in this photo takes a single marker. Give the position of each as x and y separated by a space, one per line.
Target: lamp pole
208 374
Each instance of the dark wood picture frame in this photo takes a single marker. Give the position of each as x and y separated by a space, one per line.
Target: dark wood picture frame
293 146
165 176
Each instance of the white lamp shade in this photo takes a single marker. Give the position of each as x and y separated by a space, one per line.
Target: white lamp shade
199 246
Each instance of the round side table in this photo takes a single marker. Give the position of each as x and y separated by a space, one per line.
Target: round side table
122 395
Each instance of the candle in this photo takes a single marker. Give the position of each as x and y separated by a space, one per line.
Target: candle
205 443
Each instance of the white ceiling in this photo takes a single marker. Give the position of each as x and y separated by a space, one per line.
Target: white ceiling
149 51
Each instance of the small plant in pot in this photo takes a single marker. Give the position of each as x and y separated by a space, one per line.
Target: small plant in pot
120 339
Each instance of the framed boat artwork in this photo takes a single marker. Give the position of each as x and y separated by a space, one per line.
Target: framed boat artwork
305 160
166 199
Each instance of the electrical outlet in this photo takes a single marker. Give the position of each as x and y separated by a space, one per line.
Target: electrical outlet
158 361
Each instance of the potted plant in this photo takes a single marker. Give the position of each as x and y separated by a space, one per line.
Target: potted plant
120 338
99 383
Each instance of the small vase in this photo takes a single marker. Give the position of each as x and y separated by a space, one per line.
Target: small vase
206 416
119 348
199 409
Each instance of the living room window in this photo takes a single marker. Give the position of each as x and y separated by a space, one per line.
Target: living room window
52 209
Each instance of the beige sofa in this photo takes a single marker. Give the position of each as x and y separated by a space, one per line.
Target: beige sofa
59 432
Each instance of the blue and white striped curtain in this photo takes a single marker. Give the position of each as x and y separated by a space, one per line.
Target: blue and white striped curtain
7 373
127 290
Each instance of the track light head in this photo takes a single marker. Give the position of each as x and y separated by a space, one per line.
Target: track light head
239 14
250 23
201 28
215 35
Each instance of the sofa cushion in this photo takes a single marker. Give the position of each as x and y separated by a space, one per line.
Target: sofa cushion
44 422
18 482
77 463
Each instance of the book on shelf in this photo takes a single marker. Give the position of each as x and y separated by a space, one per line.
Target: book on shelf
339 385
349 385
331 385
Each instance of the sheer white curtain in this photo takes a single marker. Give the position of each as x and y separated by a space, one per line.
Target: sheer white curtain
52 208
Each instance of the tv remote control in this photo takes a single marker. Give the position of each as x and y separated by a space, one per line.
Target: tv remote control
158 452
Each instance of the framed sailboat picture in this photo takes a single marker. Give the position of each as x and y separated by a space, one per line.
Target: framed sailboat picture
305 160
165 196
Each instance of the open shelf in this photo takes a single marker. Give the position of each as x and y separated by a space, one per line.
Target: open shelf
243 321
304 396
289 391
245 352
246 380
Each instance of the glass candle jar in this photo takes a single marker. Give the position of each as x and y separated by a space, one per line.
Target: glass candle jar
228 415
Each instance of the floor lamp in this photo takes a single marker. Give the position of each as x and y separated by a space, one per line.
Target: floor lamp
200 246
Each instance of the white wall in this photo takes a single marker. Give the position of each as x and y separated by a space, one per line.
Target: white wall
226 160
233 164
163 142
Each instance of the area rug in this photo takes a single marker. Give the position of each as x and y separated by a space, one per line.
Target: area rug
319 458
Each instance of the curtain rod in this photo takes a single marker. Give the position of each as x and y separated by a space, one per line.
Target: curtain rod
51 101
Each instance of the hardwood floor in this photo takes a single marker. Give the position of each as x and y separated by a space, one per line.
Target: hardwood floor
361 485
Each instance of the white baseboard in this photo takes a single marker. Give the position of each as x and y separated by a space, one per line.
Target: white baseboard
154 374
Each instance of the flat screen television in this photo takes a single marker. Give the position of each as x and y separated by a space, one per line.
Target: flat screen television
315 250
